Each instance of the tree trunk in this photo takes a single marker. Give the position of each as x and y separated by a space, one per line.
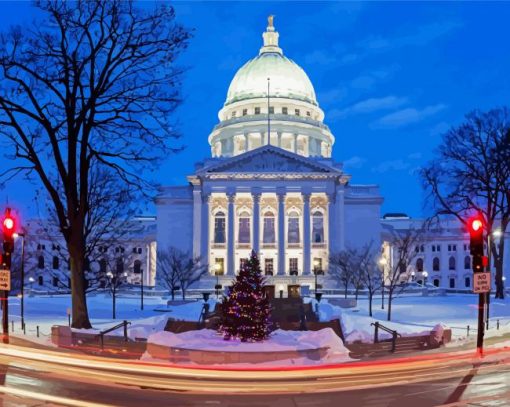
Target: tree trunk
78 297
370 296
113 303
390 299
500 284
345 291
183 294
173 292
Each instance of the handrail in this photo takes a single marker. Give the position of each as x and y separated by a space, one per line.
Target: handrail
106 331
393 333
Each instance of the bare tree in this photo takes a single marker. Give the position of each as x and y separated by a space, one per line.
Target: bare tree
342 267
471 174
370 273
95 82
404 243
177 269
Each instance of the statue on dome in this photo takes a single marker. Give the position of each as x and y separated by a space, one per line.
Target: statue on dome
270 21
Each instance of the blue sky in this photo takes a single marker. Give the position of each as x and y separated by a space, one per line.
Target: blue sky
391 77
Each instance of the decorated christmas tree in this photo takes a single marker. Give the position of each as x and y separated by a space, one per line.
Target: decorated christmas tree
246 311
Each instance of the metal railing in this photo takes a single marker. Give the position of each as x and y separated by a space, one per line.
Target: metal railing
394 334
113 328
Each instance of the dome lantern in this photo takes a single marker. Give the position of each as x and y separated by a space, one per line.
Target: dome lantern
270 37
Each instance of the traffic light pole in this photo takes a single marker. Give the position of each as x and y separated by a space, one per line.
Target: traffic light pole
481 324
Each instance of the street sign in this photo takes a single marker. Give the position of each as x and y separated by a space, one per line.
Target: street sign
481 283
5 279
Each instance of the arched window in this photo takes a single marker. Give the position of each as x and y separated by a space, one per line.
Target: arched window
436 282
244 228
219 227
435 264
40 262
268 232
419 264
137 267
56 263
293 227
40 280
102 266
317 227
119 266
467 282
451 263
452 283
467 262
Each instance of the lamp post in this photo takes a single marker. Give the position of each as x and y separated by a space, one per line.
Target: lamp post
413 276
280 288
22 298
496 233
425 274
315 272
217 287
383 262
31 280
141 288
113 284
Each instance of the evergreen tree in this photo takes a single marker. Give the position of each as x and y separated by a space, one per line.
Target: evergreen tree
246 310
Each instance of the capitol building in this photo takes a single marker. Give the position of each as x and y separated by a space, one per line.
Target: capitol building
271 186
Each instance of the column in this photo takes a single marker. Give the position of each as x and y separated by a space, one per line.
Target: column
256 221
279 142
340 218
281 233
204 227
231 266
306 233
197 212
332 231
295 143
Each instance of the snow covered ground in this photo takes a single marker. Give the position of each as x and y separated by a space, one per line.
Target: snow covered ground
409 314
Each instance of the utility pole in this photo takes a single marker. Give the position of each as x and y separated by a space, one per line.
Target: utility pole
8 227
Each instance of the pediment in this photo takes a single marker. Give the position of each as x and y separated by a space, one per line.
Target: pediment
269 159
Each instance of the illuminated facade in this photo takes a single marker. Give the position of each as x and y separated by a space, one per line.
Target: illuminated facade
271 184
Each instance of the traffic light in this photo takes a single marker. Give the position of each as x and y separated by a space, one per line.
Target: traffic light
8 228
476 228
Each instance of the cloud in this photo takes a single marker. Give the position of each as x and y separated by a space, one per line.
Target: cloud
408 163
354 162
369 79
408 116
332 95
319 57
368 106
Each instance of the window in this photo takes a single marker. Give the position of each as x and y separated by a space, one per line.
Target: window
452 283
119 269
268 234
297 112
436 282
243 262
419 265
467 262
102 266
417 249
308 114
467 282
40 280
257 110
219 266
293 228
438 248
233 114
451 263
285 110
55 281
40 262
134 249
38 247
452 247
244 228
317 227
56 263
422 248
465 247
433 248
137 267
268 267
245 112
293 268
139 250
436 264
219 228
271 109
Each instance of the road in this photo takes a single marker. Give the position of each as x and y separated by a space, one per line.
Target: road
31 377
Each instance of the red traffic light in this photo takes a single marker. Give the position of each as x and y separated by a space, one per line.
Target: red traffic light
476 225
8 224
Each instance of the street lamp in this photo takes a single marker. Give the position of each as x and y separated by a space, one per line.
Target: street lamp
280 288
382 262
413 274
217 287
22 297
425 274
31 281
315 272
113 283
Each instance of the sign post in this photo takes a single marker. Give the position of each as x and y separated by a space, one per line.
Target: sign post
5 279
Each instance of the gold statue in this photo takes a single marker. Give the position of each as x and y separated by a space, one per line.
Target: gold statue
270 21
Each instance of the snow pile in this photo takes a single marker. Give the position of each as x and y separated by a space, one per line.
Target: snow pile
359 336
280 340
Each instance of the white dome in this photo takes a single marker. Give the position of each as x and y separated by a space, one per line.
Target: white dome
287 80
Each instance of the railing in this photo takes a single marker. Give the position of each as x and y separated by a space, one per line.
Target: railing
393 333
274 117
106 331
